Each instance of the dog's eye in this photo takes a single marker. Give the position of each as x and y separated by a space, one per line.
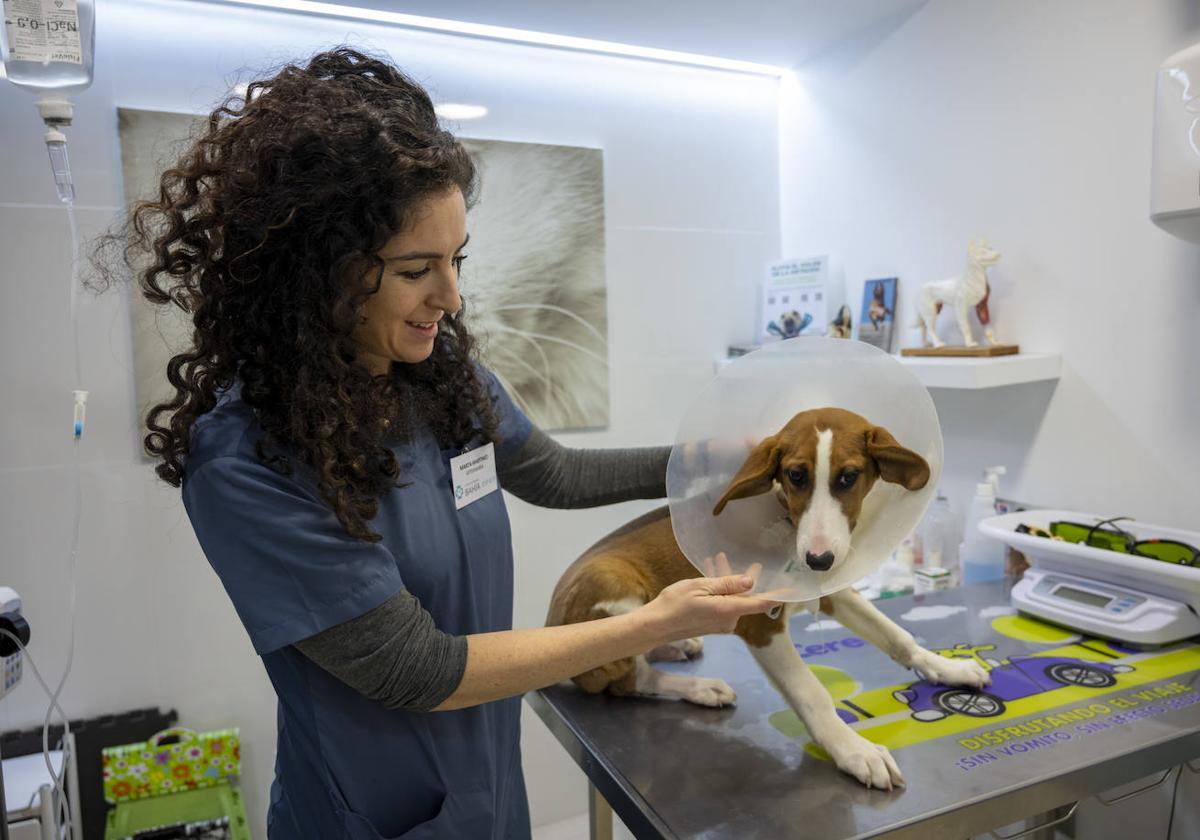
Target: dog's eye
847 478
798 477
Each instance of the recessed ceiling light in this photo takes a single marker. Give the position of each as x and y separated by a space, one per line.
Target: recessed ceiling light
455 111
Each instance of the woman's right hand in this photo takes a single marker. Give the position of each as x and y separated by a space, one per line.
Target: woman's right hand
700 606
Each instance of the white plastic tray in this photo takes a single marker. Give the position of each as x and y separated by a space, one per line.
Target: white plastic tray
1168 580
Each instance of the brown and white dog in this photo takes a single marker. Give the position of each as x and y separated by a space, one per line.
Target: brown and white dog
821 464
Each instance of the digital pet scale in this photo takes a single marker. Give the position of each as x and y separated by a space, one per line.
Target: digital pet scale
1124 597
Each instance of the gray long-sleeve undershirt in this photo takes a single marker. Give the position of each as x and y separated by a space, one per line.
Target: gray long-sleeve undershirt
396 655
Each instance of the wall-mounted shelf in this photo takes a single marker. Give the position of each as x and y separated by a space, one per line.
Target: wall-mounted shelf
976 373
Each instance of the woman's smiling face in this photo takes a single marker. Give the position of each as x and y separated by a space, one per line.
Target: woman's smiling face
419 285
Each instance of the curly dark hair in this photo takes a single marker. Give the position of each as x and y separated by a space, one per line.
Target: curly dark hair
261 231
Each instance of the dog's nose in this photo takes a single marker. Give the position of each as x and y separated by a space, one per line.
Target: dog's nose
819 562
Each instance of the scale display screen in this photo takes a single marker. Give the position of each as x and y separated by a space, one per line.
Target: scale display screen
1082 596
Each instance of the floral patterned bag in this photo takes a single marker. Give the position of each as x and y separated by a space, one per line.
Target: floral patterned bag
173 760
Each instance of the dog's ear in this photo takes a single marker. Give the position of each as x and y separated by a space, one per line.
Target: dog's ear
896 464
755 476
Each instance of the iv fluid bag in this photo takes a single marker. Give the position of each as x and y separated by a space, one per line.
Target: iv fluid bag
47 45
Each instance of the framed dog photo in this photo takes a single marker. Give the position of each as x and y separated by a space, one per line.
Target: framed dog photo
877 321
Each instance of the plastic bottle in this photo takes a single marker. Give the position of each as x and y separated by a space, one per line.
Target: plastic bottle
48 48
982 557
939 537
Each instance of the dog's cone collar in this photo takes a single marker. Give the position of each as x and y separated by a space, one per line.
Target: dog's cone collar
753 398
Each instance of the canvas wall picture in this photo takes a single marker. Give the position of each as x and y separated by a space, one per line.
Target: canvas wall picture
534 286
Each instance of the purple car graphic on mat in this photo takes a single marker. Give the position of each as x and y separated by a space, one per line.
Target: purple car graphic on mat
1023 676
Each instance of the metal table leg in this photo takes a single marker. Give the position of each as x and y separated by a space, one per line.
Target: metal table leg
600 816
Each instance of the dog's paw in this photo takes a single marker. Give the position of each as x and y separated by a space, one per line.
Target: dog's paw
676 651
707 691
946 671
872 764
666 653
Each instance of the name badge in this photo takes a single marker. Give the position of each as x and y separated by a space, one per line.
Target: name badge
473 475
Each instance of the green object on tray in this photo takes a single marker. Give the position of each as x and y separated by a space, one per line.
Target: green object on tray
1116 539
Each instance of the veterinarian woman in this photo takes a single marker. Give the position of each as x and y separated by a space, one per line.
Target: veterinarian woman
315 234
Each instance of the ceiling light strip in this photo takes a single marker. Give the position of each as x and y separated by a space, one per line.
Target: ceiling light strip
520 36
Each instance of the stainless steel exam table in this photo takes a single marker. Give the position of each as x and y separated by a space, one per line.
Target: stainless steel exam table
1066 722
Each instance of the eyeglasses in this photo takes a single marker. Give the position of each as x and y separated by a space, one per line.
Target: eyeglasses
1115 539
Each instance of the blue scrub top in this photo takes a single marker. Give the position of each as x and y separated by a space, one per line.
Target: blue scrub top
346 766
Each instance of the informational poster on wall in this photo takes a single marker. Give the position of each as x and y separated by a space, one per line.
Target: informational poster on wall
794 299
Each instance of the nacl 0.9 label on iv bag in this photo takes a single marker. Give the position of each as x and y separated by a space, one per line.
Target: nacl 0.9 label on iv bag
473 475
43 30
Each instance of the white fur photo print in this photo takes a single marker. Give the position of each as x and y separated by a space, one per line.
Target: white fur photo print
534 286
535 283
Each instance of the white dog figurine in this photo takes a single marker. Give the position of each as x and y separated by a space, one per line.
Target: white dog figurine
970 289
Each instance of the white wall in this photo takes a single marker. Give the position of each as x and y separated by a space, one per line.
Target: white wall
1029 123
691 191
